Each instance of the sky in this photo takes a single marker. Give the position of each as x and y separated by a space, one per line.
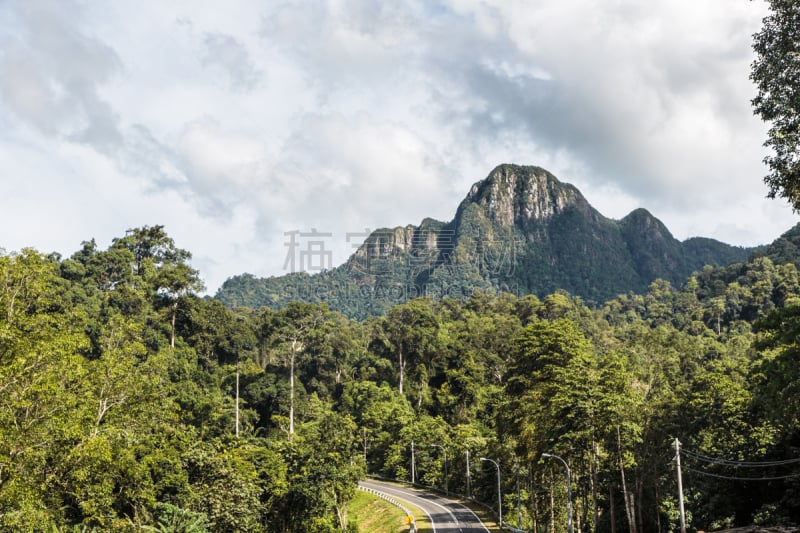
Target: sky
253 131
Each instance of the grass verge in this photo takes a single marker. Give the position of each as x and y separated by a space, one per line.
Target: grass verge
374 515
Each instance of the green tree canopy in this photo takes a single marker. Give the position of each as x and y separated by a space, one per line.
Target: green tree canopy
776 73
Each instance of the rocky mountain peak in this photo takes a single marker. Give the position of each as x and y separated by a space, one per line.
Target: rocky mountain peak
409 239
514 194
642 221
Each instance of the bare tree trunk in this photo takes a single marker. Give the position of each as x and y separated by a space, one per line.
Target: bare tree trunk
291 390
582 497
630 511
172 331
593 486
658 510
627 496
402 365
341 511
237 398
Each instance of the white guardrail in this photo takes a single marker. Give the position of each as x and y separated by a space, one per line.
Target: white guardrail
394 502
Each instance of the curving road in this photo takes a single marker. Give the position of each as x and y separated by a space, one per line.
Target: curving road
446 515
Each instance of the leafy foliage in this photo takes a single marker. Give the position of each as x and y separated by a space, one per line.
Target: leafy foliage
776 73
114 418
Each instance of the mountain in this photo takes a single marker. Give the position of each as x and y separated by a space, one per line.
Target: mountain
519 230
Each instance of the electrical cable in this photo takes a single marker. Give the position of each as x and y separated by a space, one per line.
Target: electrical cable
741 464
737 478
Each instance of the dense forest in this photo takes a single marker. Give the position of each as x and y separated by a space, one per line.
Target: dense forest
131 404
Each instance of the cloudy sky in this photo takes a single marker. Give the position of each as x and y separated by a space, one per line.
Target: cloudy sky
234 126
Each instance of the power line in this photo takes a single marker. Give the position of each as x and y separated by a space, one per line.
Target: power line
741 464
740 478
717 461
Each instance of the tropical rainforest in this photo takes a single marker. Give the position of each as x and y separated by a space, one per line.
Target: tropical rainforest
129 403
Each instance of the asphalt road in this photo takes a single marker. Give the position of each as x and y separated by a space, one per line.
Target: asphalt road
445 514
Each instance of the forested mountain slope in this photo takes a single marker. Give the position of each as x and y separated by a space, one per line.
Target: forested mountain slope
519 230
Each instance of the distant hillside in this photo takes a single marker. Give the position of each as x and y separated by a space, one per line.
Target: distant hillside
520 230
785 249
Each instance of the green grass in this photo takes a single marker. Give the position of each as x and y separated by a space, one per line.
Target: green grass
374 515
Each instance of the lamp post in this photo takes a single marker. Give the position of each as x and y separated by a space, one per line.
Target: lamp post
469 495
677 445
444 451
413 465
499 498
569 490
519 503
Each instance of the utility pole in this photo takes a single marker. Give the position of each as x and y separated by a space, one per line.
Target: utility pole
413 465
469 495
677 445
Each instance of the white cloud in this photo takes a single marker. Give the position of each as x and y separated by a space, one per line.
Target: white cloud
51 75
229 55
234 126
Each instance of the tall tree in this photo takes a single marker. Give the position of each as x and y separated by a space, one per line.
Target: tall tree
409 331
776 73
174 281
161 266
290 331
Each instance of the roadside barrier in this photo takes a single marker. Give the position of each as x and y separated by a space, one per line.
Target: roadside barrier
394 502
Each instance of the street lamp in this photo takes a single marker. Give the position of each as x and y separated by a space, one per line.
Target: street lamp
569 490
499 498
469 495
444 451
413 465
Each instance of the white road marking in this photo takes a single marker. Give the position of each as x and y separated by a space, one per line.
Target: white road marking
395 490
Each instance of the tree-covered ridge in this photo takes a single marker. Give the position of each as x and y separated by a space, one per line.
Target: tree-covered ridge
520 230
128 402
